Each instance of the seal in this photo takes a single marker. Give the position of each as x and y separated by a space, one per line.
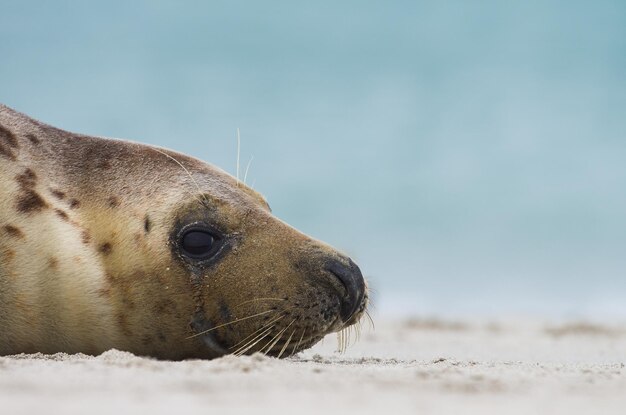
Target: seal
107 243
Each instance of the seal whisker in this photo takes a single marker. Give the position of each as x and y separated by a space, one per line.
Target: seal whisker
242 350
370 320
299 341
284 331
350 337
260 329
353 335
252 341
287 343
339 334
245 175
342 339
202 201
259 299
276 338
229 323
265 331
265 349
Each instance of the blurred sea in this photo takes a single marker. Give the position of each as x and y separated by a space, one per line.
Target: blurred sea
470 156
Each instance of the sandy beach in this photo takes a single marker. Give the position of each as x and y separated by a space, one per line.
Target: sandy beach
409 366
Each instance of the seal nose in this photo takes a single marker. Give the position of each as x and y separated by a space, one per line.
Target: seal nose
351 278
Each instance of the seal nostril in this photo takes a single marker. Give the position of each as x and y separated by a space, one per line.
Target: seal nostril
349 274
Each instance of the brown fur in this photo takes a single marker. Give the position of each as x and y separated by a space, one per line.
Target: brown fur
107 274
13 231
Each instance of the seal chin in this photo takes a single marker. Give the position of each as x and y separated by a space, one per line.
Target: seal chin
204 329
210 341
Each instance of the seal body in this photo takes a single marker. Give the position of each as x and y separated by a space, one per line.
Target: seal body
112 244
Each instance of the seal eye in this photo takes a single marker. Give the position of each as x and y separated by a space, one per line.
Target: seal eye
198 244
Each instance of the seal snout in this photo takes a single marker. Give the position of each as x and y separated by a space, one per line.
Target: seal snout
350 276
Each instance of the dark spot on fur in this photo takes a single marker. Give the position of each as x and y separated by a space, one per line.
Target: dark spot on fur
62 214
7 142
113 202
32 138
74 204
8 137
86 237
162 337
105 248
58 194
53 262
6 152
27 180
29 201
13 231
147 224
8 254
104 164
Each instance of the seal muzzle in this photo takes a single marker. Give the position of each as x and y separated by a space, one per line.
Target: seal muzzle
350 276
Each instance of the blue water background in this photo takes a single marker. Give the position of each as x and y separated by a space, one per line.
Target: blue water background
470 156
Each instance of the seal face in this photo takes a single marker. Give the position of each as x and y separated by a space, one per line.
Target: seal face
112 244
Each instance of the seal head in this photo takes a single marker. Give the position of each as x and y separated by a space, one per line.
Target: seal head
112 244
